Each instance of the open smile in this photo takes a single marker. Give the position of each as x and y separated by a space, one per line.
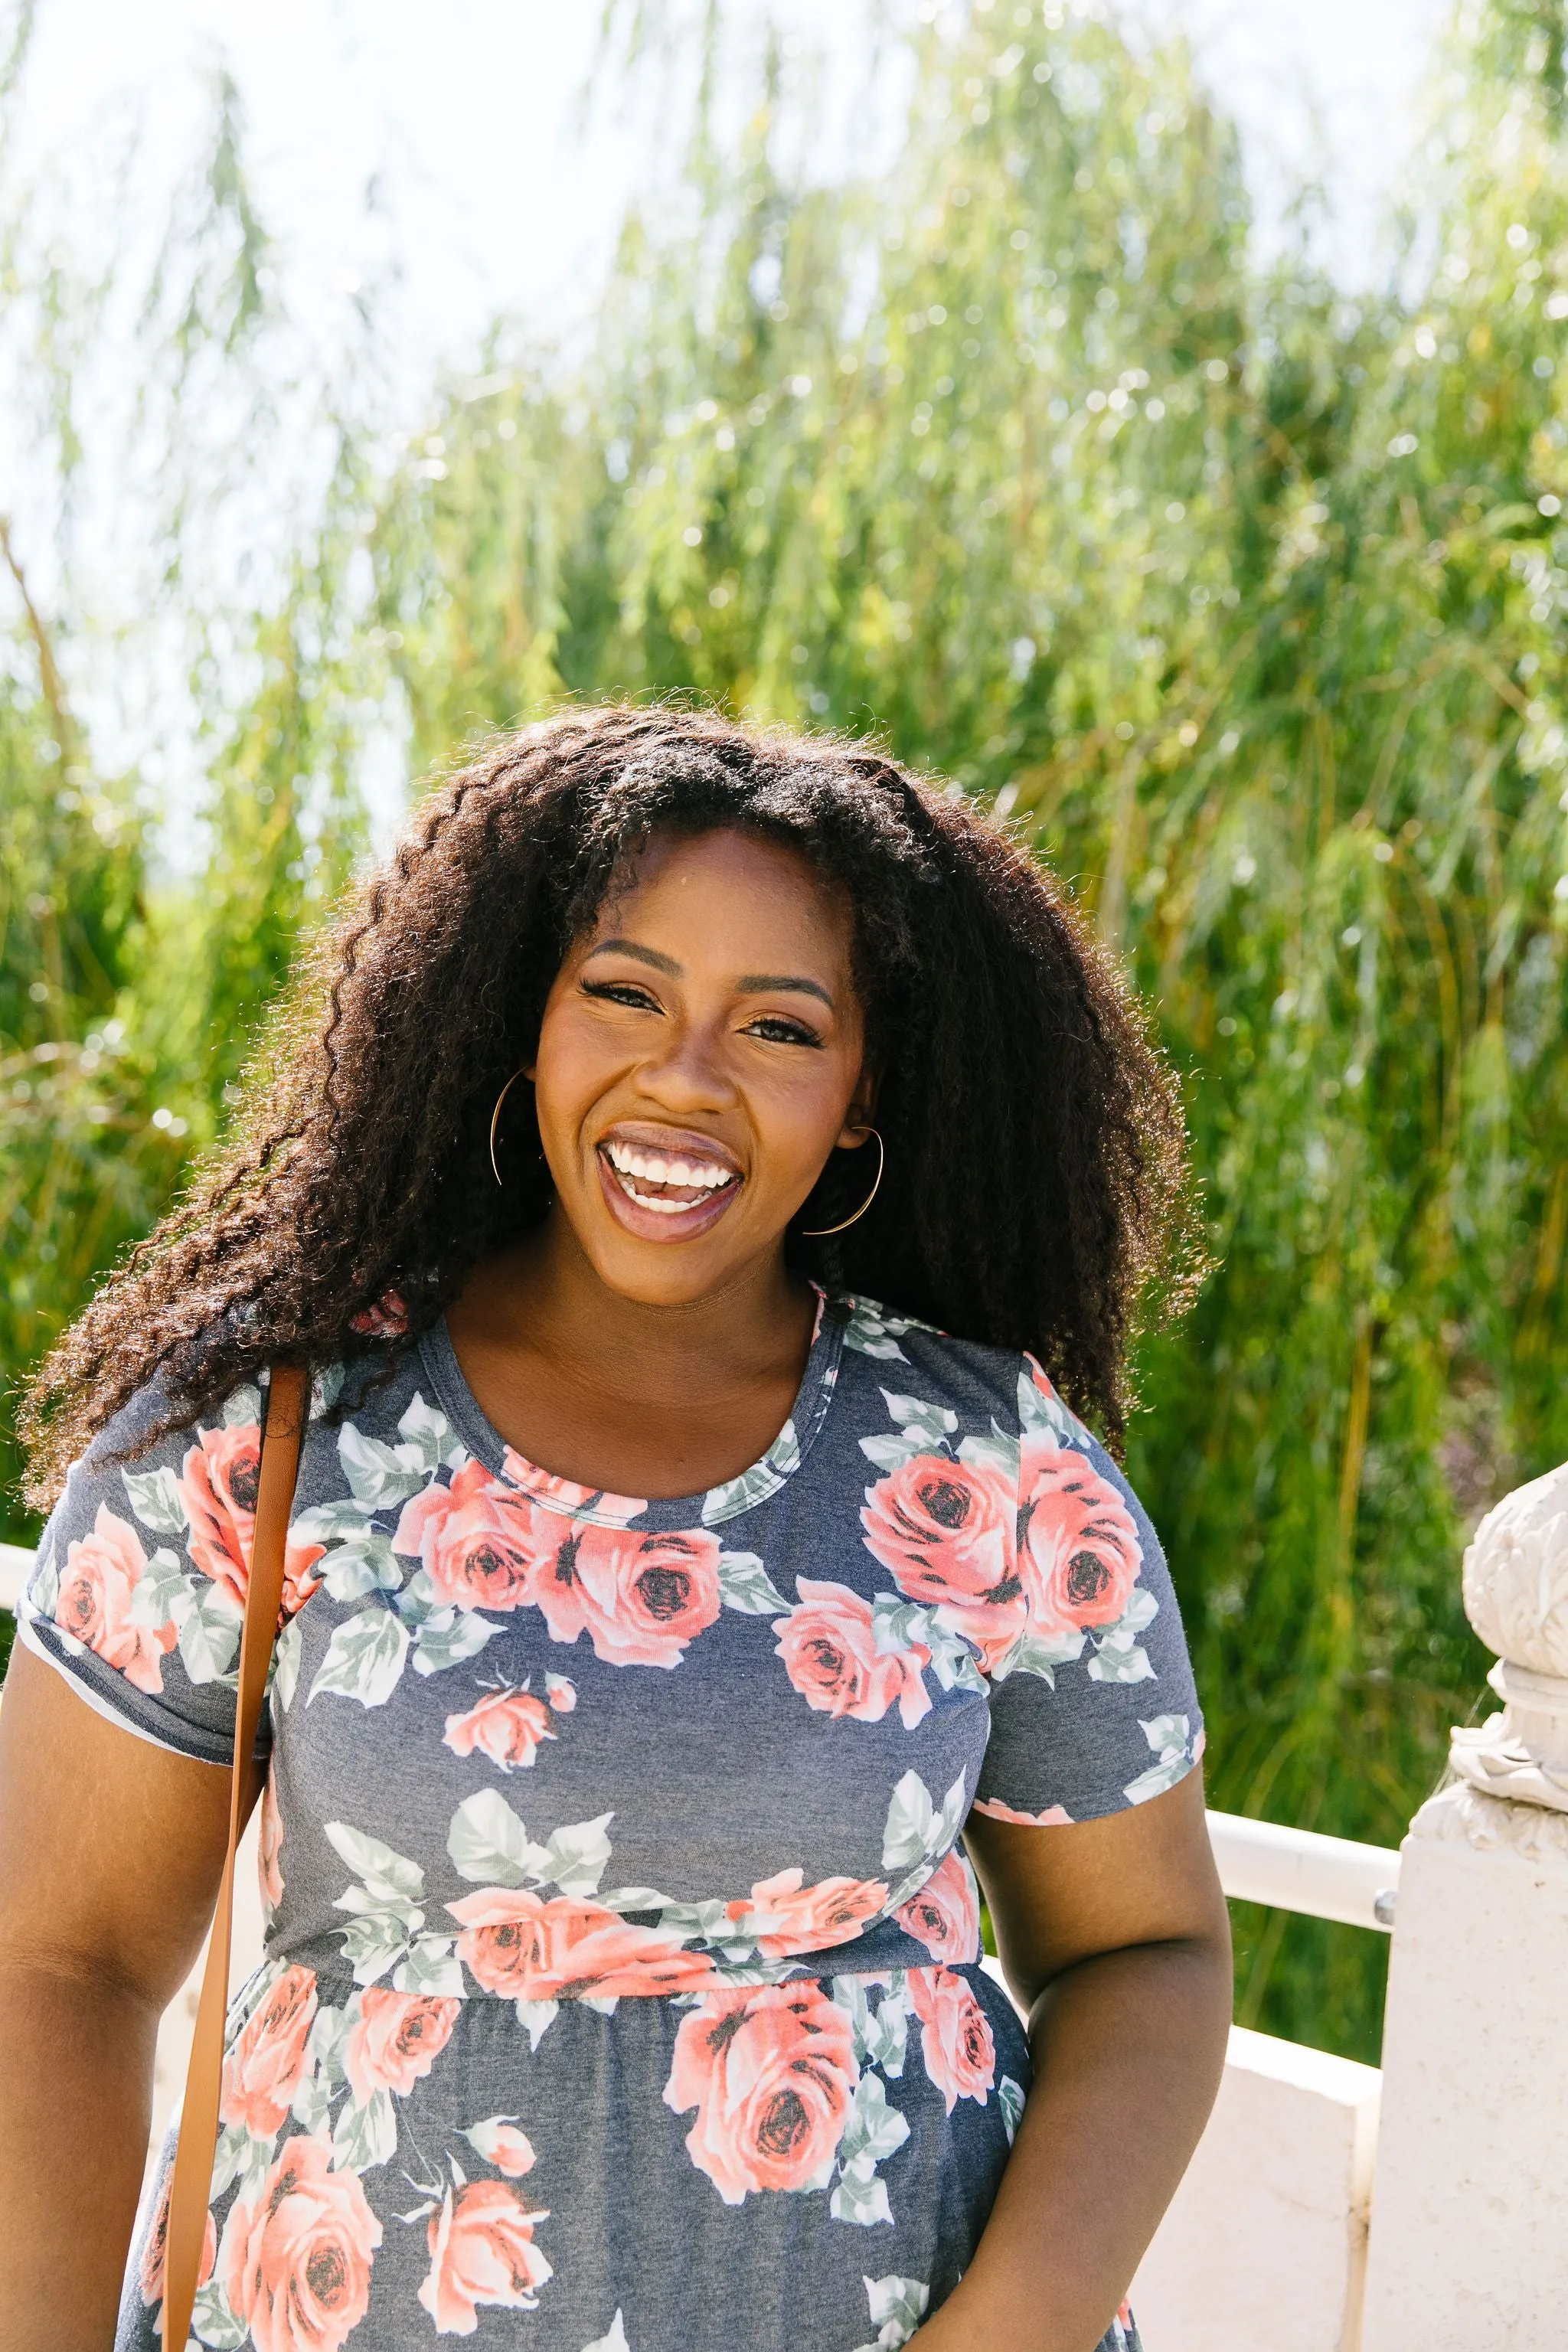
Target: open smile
666 1189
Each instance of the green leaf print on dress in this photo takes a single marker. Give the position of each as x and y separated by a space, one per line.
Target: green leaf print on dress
917 1832
1175 1752
364 1658
490 1845
872 1331
874 2132
383 1904
882 2034
380 1475
156 1500
744 1584
897 2306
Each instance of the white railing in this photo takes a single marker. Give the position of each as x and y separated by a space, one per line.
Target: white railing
1298 1870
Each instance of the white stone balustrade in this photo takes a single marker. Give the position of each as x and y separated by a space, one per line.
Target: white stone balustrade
1265 2242
1469 2249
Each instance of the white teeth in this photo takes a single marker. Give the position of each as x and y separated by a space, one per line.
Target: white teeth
653 1167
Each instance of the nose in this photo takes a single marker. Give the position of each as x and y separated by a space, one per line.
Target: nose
692 1073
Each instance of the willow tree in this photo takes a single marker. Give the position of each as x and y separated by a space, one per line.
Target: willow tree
130 985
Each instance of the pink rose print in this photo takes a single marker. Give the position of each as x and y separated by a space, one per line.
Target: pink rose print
770 2071
569 1498
385 1318
830 1654
1054 1817
155 2252
507 1726
788 1918
397 2040
475 1540
102 1572
955 2036
946 1532
500 2143
218 1487
269 1846
639 1598
1078 1552
482 2251
944 1914
560 1693
524 1949
266 2064
298 2264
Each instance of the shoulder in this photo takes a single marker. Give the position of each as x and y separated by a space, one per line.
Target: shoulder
191 1477
981 1386
924 1393
139 1588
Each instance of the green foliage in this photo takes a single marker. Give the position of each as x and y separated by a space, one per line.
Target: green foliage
1244 602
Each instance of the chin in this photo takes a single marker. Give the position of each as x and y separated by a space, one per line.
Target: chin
630 1275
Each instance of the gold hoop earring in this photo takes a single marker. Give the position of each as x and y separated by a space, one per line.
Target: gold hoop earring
820 1233
495 1122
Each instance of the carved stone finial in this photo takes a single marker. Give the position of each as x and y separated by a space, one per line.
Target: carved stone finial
1516 1597
1516 1576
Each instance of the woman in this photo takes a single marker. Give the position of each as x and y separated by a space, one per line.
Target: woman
659 1611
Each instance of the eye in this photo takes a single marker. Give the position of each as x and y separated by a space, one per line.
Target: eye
779 1029
623 991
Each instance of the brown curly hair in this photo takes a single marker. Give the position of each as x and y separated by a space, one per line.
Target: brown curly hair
1034 1188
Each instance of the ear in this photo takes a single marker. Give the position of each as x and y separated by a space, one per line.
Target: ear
860 1113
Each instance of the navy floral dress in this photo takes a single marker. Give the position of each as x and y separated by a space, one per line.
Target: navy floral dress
622 1989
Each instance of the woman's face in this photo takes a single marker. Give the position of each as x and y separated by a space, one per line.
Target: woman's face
700 1056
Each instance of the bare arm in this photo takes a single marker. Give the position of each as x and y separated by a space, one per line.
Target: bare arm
111 1851
1114 1934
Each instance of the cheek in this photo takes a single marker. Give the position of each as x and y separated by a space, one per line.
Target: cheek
799 1115
570 1070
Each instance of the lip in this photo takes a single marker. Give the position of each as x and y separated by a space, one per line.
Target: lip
652 1224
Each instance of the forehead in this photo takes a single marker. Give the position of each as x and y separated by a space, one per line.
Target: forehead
717 893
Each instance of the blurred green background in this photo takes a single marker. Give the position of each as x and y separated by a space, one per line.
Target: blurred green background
1243 600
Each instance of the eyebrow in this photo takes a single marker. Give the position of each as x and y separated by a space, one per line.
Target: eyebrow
751 984
667 964
768 983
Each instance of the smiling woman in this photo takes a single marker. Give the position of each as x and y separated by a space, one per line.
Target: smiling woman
637 1468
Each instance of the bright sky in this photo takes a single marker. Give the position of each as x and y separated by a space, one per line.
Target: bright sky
468 114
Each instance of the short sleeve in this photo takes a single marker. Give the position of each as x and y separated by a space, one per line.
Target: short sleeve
1094 1707
138 1597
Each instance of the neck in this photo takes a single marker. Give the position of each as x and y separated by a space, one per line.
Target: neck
544 1298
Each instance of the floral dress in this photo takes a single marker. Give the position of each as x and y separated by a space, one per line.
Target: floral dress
622 1990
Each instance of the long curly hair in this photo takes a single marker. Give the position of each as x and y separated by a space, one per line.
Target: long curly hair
1035 1192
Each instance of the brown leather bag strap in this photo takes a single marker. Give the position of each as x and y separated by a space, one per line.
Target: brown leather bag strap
190 2195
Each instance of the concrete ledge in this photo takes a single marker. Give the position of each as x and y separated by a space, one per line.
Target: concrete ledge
1265 2242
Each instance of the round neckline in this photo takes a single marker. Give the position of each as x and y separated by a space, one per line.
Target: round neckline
597 1506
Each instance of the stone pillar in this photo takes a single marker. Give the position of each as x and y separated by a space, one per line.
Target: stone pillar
1469 2248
